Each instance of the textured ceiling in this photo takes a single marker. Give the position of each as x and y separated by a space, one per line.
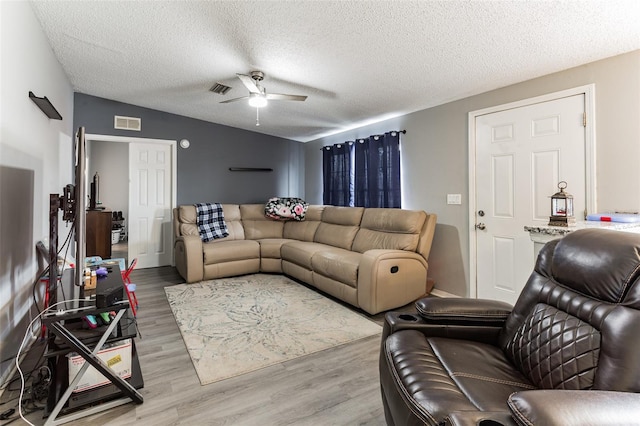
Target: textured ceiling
357 61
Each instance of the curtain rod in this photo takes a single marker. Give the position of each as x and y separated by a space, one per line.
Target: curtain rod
404 132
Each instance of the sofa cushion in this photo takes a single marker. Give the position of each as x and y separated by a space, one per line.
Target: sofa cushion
301 231
300 252
440 376
338 264
314 213
230 251
336 235
189 229
256 225
304 230
592 273
270 247
252 212
350 216
391 229
188 220
556 350
234 225
339 226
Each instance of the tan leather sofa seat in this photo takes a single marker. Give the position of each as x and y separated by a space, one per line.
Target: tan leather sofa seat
301 252
338 264
230 251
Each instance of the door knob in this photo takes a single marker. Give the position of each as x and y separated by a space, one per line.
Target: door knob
481 226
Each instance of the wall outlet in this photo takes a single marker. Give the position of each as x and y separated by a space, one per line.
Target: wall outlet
454 199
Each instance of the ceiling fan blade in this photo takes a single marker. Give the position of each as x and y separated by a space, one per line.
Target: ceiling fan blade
249 83
283 97
234 100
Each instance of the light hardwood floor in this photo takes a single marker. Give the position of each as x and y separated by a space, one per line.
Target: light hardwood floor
338 386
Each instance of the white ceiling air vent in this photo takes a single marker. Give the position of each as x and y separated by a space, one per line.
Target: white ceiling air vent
127 123
220 89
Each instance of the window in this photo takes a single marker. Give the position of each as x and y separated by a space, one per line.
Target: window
363 173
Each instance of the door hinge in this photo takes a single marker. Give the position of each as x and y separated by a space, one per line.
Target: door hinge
584 119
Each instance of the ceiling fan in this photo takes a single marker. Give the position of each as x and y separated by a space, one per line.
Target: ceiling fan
258 96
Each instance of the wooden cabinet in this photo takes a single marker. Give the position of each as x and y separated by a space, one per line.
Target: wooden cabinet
99 233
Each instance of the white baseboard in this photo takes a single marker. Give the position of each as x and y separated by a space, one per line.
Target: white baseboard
440 293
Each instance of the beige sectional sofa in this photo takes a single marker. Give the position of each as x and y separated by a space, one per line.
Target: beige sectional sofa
374 259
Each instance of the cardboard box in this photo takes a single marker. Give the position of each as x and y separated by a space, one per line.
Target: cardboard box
117 357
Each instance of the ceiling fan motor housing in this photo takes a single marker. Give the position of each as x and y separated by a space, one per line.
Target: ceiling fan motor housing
257 75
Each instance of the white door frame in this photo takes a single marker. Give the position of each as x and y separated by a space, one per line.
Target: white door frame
590 159
174 162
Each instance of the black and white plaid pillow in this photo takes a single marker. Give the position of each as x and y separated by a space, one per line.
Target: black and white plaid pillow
210 220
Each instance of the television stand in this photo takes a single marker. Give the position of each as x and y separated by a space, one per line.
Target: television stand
72 339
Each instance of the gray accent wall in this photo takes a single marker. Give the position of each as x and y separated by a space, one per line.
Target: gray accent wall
435 153
203 169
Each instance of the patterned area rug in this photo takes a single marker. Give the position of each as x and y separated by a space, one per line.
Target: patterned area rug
232 326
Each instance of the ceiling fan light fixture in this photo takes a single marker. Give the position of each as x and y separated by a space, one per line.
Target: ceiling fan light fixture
257 100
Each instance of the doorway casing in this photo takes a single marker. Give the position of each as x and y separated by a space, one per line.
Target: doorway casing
174 163
590 159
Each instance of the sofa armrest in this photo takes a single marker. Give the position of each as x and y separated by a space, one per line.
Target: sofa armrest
463 311
575 408
397 321
189 257
479 320
388 279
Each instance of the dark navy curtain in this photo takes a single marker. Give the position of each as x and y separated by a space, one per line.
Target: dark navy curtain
337 173
377 171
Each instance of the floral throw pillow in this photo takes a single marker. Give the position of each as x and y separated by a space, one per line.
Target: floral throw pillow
286 208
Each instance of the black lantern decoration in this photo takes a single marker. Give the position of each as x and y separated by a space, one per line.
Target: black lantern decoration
562 207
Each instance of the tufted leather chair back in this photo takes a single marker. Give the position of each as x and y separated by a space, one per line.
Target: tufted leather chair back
576 324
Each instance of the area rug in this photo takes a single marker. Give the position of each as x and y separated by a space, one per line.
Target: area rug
232 326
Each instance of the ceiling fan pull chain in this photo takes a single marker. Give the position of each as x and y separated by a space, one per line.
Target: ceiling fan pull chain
257 116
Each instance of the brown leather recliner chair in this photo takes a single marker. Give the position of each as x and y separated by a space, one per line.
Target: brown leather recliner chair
568 353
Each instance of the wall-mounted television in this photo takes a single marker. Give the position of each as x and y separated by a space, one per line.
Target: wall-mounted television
80 197
72 204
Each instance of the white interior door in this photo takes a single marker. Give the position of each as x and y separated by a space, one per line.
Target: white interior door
521 155
150 204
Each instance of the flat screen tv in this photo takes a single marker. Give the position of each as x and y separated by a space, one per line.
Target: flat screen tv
79 204
72 204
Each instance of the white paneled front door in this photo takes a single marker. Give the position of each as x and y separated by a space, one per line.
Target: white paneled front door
521 155
150 204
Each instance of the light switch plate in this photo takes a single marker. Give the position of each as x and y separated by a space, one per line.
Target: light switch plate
454 199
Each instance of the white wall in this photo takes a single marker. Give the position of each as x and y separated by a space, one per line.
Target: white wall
36 159
435 154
